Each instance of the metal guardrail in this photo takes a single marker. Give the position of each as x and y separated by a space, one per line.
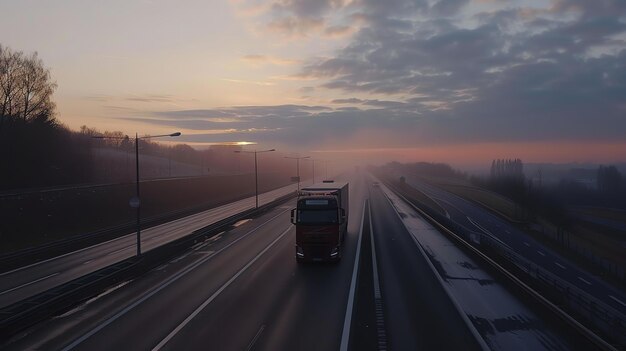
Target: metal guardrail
603 317
30 311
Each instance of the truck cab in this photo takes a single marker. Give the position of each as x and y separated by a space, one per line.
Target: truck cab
321 221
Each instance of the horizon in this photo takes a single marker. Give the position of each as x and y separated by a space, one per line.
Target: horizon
462 83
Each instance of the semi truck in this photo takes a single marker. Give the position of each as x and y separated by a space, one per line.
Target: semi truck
321 220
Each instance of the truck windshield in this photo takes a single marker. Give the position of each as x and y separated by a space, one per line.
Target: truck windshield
317 216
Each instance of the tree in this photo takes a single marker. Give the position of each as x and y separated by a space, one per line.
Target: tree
26 88
609 179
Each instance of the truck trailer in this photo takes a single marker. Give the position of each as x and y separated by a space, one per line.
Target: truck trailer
321 220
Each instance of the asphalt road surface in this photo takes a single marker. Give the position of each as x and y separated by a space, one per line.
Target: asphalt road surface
27 281
479 219
243 290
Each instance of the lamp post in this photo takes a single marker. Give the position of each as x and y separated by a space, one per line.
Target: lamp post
256 171
134 202
298 167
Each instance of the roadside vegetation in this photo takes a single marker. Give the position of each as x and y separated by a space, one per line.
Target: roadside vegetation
56 182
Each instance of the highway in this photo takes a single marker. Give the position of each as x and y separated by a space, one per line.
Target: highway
477 218
243 290
503 320
27 281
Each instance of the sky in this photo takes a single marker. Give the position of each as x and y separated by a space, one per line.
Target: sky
458 81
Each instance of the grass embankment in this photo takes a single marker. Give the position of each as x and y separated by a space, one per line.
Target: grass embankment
38 218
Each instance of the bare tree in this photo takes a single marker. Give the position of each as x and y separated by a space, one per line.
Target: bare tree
26 87
10 72
37 88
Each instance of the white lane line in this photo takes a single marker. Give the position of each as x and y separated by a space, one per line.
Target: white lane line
347 322
87 262
29 283
218 292
274 194
527 244
256 337
479 339
541 253
378 301
617 300
481 228
167 283
560 265
584 280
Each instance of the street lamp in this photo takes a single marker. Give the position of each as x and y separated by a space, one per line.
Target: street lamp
256 173
134 202
298 167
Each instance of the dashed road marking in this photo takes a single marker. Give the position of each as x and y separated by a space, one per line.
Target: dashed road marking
527 244
541 253
378 300
560 265
584 280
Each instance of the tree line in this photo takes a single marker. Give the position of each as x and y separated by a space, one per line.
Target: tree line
36 150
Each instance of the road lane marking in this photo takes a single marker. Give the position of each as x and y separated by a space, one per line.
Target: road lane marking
488 233
347 322
378 301
541 253
617 300
210 212
218 292
256 337
527 244
584 280
479 339
165 284
86 262
29 283
560 265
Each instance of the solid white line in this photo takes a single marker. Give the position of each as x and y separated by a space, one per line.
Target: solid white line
30 283
618 300
256 337
541 253
487 232
472 328
217 293
162 286
345 335
560 265
584 280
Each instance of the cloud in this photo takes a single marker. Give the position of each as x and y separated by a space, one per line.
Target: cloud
415 73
